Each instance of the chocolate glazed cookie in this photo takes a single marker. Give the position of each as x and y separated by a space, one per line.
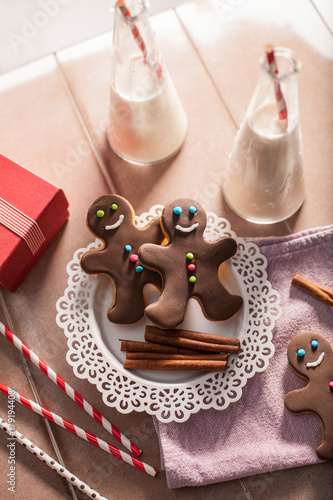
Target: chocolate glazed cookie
112 219
189 267
311 357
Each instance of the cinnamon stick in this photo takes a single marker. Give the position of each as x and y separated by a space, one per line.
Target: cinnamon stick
170 338
137 346
163 355
163 364
317 291
200 336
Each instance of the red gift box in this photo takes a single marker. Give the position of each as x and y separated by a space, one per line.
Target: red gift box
32 210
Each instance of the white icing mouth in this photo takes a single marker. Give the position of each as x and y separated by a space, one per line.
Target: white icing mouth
116 224
187 229
316 363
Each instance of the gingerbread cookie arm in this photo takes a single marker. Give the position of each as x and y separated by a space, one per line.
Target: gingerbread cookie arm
153 231
153 256
297 401
93 261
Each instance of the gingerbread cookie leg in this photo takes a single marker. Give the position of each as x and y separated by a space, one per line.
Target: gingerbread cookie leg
220 305
325 449
127 306
159 312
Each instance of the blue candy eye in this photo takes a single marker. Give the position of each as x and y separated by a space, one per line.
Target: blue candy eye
192 209
177 210
301 353
314 344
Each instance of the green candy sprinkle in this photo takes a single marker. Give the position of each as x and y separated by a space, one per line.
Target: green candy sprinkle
192 279
189 255
100 213
114 206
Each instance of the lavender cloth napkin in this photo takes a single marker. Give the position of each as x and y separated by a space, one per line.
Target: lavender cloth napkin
257 434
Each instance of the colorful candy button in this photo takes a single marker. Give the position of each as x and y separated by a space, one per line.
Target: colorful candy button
331 384
314 344
191 267
190 255
100 213
138 269
134 257
192 279
114 206
301 353
192 209
128 248
177 210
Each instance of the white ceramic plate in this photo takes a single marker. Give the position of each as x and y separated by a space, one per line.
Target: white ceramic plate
94 343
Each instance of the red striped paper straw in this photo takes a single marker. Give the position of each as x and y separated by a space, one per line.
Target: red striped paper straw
65 424
135 31
157 68
69 390
280 101
51 462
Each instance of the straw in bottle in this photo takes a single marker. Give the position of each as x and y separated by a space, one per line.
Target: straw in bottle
280 101
156 67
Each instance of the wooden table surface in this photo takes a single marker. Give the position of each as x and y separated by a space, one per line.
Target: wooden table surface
53 117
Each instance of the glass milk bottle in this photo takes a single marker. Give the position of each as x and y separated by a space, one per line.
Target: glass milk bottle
147 122
263 180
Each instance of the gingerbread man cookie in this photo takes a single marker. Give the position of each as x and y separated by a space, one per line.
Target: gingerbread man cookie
189 266
111 218
311 357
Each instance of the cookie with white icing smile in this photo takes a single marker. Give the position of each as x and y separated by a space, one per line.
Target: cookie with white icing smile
189 265
310 356
111 218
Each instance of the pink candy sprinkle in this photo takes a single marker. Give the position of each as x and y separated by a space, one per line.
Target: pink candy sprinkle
134 257
191 267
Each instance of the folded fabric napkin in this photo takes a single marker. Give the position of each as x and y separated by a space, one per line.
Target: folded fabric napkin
257 434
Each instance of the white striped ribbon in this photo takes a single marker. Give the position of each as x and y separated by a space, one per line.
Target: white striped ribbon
22 225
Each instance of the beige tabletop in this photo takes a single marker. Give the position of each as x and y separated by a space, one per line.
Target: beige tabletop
53 117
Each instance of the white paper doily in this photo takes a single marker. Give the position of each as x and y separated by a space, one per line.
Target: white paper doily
94 346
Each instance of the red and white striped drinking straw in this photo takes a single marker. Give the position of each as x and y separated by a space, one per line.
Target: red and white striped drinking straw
280 101
69 390
65 424
51 462
157 68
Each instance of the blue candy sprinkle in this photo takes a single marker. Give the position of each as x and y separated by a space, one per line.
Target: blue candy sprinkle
128 248
314 343
193 209
138 269
301 353
177 210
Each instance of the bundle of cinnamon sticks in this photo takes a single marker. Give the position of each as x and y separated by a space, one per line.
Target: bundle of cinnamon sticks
179 350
